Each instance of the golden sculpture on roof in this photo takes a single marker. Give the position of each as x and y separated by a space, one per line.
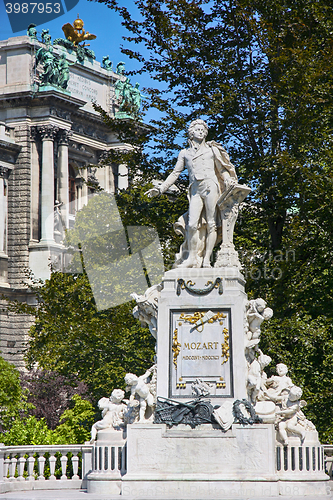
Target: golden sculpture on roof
76 34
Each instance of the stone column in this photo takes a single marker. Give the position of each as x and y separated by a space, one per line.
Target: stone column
3 208
122 176
63 174
47 134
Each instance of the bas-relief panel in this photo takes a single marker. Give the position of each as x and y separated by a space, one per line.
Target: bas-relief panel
200 347
219 454
175 455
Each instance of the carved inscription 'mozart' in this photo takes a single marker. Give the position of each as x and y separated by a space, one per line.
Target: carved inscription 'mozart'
200 348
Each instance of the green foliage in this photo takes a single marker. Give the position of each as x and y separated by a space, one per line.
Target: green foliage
137 209
75 423
12 397
27 431
259 71
74 427
50 394
71 337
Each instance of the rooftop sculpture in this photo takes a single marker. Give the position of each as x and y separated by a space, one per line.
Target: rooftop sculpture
75 33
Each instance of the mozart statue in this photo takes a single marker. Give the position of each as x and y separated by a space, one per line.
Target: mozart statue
211 177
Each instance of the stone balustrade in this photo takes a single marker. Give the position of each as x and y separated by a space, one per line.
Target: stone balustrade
299 459
36 467
55 467
109 458
328 457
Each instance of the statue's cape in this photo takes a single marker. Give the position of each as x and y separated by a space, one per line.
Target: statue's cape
222 158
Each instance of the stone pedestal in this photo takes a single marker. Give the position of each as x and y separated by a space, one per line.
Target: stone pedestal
206 462
213 349
109 462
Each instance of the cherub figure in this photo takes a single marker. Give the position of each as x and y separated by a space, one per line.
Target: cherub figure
147 308
139 386
256 313
112 413
256 377
289 415
278 385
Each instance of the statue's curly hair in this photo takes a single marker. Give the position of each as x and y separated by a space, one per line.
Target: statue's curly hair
193 124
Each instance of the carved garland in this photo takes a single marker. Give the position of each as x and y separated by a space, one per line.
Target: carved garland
240 418
182 285
175 347
225 346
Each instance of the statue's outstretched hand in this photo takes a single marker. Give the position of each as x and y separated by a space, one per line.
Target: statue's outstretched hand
152 192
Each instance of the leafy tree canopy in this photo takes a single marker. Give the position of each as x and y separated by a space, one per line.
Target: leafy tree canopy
13 399
259 72
71 337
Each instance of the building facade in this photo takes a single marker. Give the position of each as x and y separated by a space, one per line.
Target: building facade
50 139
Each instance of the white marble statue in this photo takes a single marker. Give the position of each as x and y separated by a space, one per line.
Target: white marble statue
256 377
144 391
288 416
256 313
212 177
278 385
278 401
112 412
147 308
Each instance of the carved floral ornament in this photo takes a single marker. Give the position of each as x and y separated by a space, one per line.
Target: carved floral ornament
64 136
50 133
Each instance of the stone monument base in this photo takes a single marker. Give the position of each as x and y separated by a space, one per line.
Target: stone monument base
108 464
206 462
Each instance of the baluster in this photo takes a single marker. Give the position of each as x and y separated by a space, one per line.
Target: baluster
20 468
123 459
63 461
75 464
31 463
12 468
6 468
41 464
52 462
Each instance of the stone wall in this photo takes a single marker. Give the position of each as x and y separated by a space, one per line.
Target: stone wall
14 327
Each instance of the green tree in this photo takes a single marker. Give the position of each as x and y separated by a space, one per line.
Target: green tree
74 427
258 71
71 337
75 423
12 397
